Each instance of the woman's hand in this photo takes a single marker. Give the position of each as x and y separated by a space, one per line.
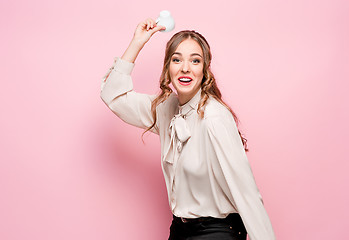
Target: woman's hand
143 33
145 30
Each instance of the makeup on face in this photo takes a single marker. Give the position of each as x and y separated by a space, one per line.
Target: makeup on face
187 66
185 80
186 69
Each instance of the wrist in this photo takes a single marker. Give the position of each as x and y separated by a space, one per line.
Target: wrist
133 50
137 43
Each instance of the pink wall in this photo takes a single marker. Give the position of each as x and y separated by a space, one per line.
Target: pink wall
70 169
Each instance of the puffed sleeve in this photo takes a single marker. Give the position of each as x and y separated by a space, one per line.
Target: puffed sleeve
117 93
234 175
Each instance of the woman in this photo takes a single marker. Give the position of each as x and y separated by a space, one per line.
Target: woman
211 189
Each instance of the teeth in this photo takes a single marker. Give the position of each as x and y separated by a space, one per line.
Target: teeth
185 79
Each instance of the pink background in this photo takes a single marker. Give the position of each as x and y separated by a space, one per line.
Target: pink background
70 169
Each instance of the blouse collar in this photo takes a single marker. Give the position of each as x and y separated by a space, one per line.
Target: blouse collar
191 104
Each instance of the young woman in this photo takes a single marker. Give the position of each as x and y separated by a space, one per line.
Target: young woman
211 189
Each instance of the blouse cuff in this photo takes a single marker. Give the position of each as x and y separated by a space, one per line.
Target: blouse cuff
123 66
117 81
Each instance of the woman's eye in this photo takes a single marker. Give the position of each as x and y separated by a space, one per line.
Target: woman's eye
175 60
196 61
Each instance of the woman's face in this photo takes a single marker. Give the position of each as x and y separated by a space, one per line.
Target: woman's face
186 69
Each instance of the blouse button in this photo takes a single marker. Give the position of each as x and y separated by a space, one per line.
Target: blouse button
179 146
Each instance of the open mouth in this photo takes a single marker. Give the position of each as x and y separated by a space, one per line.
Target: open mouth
185 80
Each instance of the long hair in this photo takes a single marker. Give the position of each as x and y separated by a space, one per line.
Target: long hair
208 85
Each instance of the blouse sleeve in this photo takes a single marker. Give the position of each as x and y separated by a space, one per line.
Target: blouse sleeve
234 175
117 93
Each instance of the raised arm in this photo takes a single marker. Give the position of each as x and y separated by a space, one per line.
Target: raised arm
117 87
143 33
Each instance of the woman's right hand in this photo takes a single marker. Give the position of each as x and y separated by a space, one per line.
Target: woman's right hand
143 33
145 30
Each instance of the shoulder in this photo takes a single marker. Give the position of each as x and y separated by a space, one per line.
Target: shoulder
169 105
217 116
219 123
215 109
170 102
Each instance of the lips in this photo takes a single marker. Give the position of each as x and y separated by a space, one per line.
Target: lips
185 80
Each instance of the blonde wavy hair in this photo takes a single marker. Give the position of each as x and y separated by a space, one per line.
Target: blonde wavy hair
208 85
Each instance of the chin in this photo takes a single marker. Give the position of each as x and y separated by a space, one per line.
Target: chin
184 91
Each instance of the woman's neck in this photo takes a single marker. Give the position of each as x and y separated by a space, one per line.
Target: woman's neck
184 98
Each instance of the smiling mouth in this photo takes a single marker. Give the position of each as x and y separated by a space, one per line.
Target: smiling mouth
185 80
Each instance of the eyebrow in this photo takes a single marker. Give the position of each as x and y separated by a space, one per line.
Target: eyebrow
193 54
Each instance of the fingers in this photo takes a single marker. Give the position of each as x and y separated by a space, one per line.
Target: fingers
157 28
146 29
150 24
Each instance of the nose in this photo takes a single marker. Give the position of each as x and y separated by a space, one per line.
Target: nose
185 67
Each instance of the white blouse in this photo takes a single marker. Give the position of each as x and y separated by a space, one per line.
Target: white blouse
204 163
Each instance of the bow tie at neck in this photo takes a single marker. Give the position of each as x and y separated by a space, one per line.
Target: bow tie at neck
180 133
180 127
179 130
